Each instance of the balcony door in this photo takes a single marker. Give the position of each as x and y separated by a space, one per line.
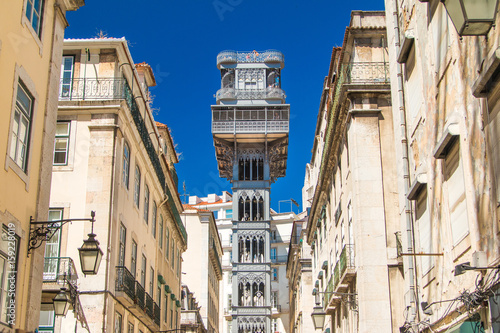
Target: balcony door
66 77
53 248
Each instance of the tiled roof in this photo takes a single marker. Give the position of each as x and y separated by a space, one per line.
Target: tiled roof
160 125
94 39
204 203
186 207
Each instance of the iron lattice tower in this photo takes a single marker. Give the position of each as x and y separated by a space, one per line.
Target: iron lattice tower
250 129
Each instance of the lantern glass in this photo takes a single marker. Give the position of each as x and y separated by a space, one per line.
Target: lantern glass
90 256
472 17
318 317
62 302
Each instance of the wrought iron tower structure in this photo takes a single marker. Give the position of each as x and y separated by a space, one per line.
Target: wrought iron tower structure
250 129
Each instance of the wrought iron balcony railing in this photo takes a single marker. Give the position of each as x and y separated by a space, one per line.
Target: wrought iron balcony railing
268 93
279 259
270 126
125 281
91 89
231 57
157 314
346 258
368 72
140 295
150 306
58 268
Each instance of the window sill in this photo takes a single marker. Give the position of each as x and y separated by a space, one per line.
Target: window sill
33 33
10 164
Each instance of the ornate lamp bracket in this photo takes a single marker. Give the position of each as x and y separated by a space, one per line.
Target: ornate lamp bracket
41 231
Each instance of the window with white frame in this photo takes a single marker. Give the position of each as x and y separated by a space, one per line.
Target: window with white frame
274 299
167 242
126 164
133 261
229 213
275 274
121 246
21 127
34 13
118 322
143 271
61 144
146 204
130 327
160 232
65 88
137 186
46 322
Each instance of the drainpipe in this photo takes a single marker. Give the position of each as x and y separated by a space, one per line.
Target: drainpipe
412 273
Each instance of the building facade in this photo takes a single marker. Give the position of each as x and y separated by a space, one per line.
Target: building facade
203 270
191 321
250 130
446 89
300 281
31 36
352 220
111 157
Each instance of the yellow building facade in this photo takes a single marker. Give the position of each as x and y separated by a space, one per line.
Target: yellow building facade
31 37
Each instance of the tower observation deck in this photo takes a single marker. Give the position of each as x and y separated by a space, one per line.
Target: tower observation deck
250 123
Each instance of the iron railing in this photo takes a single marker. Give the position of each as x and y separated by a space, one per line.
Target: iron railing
368 72
346 258
140 294
328 292
125 281
150 306
245 126
57 268
336 275
227 57
268 93
157 314
338 213
92 89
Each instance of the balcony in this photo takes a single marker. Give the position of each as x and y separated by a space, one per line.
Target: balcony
55 269
157 314
232 57
279 259
268 93
215 258
368 73
139 295
150 306
92 89
125 284
250 120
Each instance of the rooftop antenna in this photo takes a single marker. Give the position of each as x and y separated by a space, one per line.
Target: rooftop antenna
184 194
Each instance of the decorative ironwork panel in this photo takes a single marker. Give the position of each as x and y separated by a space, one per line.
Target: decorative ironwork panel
149 306
368 72
251 278
140 295
58 268
125 281
92 89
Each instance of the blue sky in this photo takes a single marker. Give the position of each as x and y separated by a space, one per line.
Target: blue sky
180 40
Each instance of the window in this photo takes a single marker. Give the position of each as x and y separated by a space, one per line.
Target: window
121 249
146 204
167 242
273 253
66 77
61 144
160 234
229 302
52 248
172 258
178 263
137 186
118 323
229 213
275 274
454 178
230 238
274 299
143 271
151 281
126 164
153 219
172 315
158 294
165 312
274 325
46 322
133 262
130 327
21 128
424 231
34 10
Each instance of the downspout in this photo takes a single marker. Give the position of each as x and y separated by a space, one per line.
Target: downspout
111 199
412 275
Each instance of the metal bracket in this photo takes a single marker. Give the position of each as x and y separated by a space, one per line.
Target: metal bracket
41 231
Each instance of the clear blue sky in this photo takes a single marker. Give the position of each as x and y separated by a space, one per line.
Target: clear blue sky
180 40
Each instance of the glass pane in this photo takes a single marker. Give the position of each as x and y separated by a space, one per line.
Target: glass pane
34 23
480 9
24 100
46 318
454 9
61 144
29 9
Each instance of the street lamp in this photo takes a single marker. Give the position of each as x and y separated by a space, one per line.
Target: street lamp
318 315
62 301
90 253
472 17
461 268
